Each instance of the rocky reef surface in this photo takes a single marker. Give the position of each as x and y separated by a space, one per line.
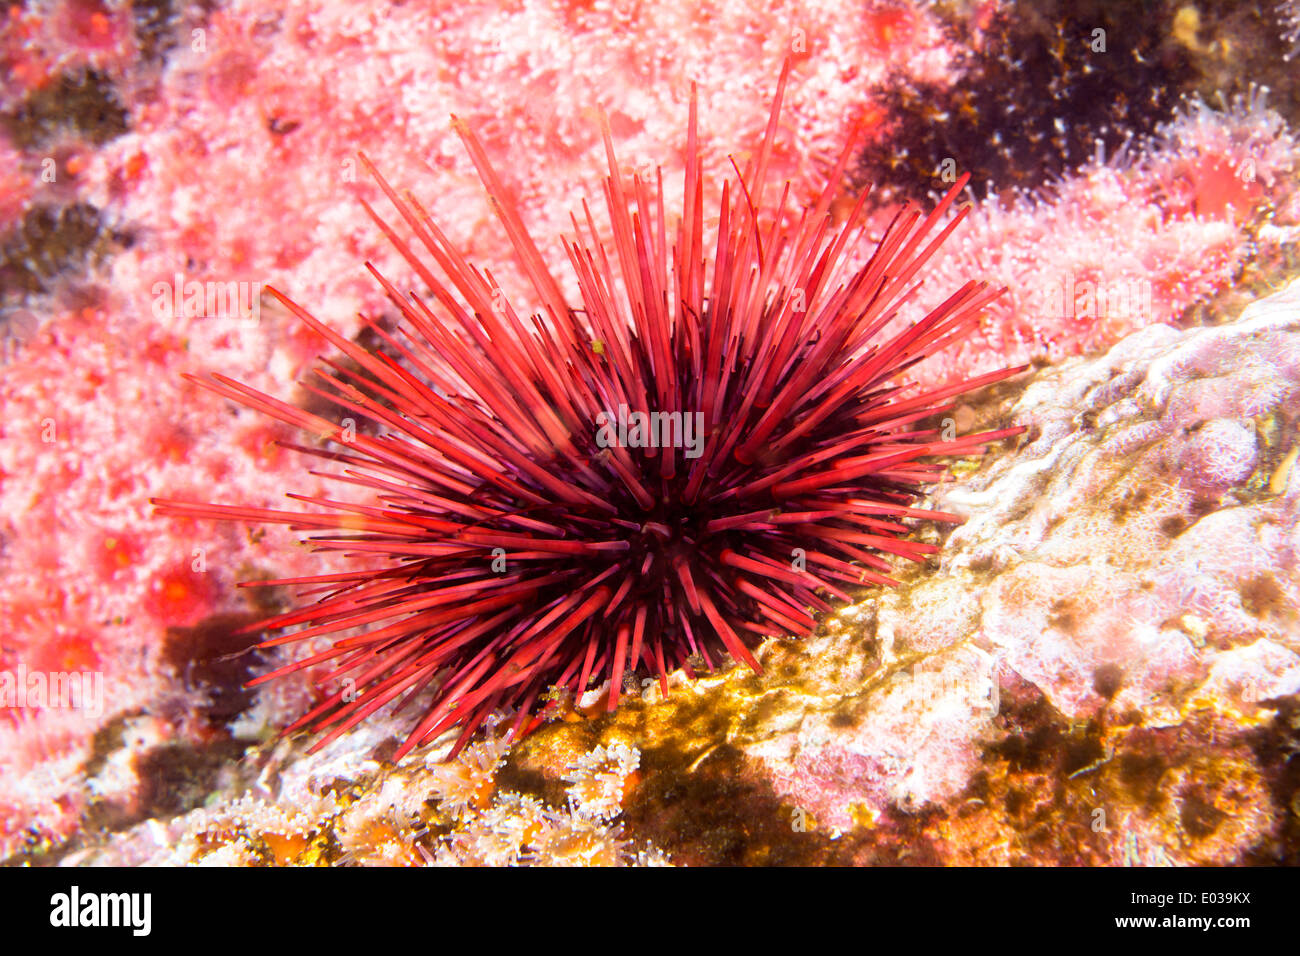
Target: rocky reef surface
1102 667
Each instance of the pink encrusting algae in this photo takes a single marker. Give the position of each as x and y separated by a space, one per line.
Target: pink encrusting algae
297 91
41 41
1128 240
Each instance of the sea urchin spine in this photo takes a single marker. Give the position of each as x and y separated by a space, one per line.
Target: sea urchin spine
525 549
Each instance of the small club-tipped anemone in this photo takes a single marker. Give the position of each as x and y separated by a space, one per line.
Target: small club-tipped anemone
530 544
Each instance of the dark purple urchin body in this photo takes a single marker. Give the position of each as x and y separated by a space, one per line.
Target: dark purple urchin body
528 552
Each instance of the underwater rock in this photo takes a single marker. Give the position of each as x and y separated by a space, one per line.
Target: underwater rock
1103 668
281 807
1132 565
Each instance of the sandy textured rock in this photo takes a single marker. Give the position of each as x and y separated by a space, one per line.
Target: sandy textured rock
1133 562
280 806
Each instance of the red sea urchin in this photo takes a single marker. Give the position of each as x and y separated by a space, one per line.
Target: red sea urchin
538 534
